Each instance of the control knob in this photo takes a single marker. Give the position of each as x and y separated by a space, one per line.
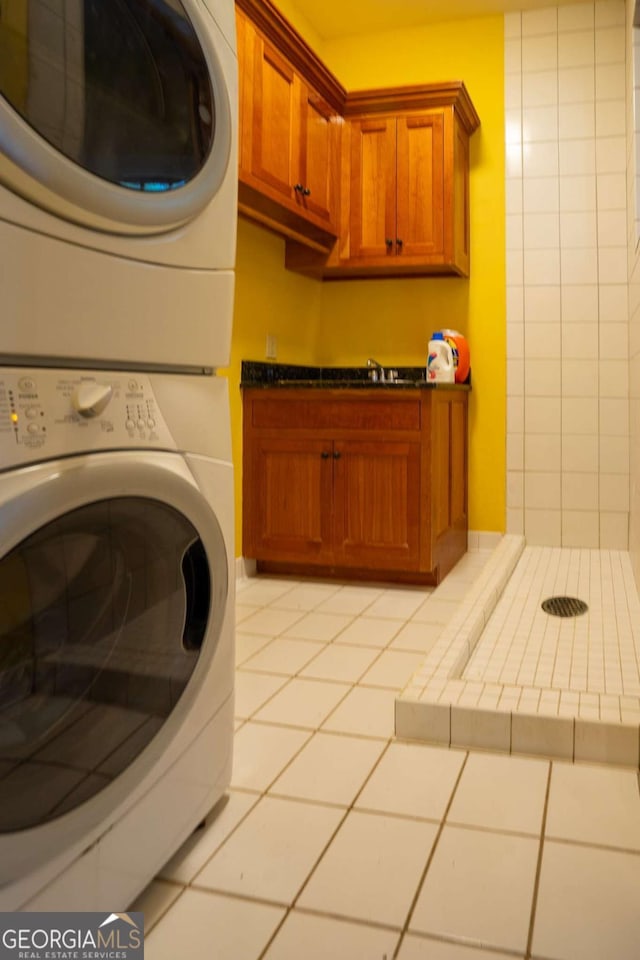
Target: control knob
90 398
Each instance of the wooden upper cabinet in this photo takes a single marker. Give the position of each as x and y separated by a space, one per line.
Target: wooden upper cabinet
397 188
289 143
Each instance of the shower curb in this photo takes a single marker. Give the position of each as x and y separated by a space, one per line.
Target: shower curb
431 707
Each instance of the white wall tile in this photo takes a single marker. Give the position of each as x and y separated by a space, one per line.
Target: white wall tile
542 304
542 415
540 89
512 25
577 157
541 231
514 236
535 22
539 52
515 340
542 491
513 160
512 91
542 195
513 126
579 341
611 155
614 378
577 193
579 229
543 527
614 531
515 490
614 418
540 159
539 124
609 13
579 491
610 118
579 378
515 377
576 121
614 455
515 304
579 303
576 48
612 265
542 378
612 191
610 45
542 341
515 267
541 267
580 529
577 84
580 453
580 416
515 522
610 81
614 492
613 341
515 414
513 194
542 452
612 228
515 451
579 265
513 56
575 17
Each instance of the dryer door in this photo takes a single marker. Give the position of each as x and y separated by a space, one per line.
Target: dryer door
111 609
114 115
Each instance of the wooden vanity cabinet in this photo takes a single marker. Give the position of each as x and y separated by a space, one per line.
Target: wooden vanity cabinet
357 483
289 143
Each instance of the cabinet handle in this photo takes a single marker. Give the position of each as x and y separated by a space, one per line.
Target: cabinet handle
299 188
389 242
399 243
306 192
336 454
325 455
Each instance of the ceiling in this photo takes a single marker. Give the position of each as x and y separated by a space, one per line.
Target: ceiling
332 19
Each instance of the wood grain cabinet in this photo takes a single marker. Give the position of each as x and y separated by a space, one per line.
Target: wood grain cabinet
355 483
289 143
405 195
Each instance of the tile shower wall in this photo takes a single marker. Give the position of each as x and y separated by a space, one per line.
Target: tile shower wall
567 313
633 186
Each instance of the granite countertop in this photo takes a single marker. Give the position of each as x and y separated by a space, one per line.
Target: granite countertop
256 373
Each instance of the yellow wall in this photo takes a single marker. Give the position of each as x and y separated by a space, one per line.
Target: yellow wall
268 300
344 323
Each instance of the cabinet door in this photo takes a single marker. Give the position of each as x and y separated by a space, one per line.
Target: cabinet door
377 504
448 478
420 171
275 147
287 500
372 217
319 158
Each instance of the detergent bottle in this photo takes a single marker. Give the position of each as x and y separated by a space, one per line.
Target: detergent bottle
440 366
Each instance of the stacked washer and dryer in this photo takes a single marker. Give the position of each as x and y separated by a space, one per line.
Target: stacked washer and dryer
118 185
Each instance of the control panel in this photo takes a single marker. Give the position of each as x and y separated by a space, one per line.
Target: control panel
51 413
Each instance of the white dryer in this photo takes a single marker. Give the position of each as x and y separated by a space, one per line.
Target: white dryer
116 628
118 181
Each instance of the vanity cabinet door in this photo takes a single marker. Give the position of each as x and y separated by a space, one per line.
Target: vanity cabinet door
288 491
377 504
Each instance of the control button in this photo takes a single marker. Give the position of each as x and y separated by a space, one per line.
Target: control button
130 424
31 413
33 428
27 383
133 385
151 423
141 424
90 398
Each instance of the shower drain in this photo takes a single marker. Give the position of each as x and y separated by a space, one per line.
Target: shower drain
564 606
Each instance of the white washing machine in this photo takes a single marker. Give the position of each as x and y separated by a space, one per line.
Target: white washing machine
118 181
116 628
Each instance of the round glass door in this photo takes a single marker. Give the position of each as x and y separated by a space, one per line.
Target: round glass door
103 615
129 91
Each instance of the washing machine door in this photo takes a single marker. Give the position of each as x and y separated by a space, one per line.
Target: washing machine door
114 115
111 606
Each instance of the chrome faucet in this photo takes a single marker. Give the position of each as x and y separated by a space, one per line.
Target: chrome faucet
376 371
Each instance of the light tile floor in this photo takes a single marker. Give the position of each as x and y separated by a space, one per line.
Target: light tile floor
337 842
